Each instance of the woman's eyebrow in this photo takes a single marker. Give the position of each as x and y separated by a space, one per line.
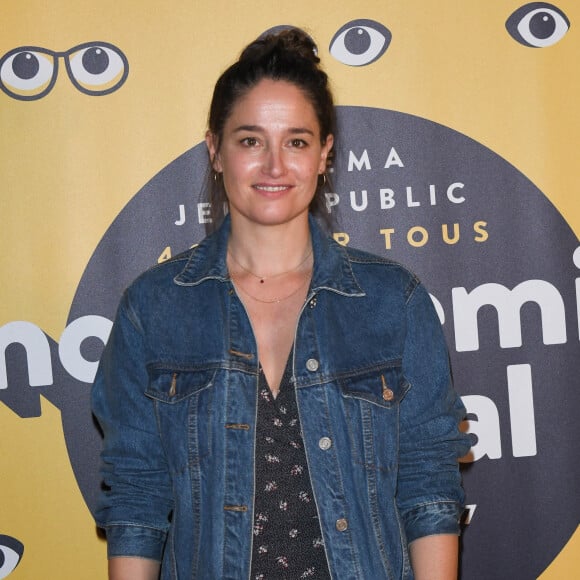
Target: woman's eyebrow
259 129
297 130
250 128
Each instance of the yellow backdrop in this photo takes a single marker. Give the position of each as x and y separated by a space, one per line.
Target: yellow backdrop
69 163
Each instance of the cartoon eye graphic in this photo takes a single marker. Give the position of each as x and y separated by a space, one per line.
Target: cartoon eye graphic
360 42
97 68
11 551
537 24
28 73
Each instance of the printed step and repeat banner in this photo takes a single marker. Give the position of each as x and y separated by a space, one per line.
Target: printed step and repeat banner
457 155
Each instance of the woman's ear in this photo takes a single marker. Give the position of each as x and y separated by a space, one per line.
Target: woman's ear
325 152
212 147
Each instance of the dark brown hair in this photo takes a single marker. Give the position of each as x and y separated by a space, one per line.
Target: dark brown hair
289 55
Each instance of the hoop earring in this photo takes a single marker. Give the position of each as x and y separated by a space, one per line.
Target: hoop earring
323 179
216 176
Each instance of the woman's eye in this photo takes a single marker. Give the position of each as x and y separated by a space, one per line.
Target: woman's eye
27 73
249 141
360 42
97 68
537 24
298 143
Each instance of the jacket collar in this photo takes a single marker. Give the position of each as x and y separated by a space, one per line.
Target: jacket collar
332 266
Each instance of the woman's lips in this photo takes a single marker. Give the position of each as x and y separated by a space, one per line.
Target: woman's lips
272 188
273 191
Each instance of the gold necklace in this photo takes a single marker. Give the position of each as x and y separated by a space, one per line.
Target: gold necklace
264 278
270 300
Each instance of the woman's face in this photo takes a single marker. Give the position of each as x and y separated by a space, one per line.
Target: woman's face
270 155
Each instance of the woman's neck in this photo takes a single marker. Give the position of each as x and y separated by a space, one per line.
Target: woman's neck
267 251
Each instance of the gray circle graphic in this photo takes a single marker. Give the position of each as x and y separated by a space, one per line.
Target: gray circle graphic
495 254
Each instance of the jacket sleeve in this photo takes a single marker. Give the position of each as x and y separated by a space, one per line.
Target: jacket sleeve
135 503
429 493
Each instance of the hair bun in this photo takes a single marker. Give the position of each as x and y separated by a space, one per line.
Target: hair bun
287 42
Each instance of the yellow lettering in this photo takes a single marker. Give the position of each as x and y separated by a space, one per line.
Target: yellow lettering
419 230
165 255
387 233
478 228
341 238
445 233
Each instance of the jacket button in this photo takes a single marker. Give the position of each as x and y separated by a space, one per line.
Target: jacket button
325 443
342 525
312 364
388 395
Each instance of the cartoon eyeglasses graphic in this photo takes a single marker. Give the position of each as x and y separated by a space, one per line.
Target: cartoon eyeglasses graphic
28 73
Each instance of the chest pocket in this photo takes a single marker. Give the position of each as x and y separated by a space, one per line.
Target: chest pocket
183 400
385 387
371 404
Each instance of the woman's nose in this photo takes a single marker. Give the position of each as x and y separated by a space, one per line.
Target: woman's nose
274 162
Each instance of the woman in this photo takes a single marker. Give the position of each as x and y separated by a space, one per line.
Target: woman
275 405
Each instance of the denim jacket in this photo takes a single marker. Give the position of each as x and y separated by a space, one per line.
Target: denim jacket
176 397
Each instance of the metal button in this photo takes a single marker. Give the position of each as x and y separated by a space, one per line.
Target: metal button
342 525
325 443
388 394
312 364
312 302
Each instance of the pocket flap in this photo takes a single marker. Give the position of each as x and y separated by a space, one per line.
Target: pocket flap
385 387
172 386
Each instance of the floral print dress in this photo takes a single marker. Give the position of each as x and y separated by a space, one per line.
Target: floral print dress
287 542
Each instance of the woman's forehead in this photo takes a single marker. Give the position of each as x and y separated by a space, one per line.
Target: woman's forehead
273 103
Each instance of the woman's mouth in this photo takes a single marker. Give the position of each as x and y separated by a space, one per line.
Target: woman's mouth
272 188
